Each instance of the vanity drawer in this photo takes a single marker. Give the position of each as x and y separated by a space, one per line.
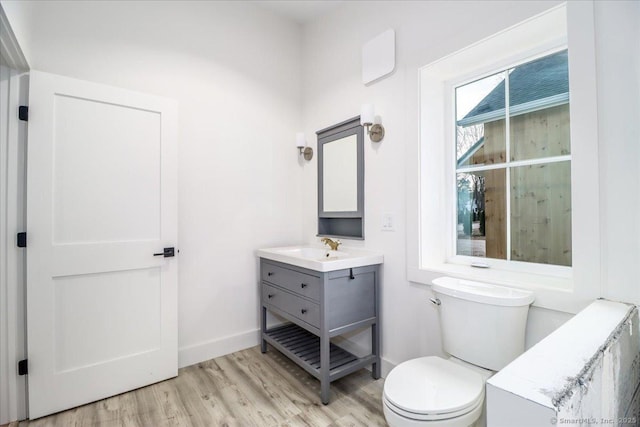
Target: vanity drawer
295 281
301 308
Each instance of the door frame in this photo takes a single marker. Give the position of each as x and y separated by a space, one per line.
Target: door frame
13 347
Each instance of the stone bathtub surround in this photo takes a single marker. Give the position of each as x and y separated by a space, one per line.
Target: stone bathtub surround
586 372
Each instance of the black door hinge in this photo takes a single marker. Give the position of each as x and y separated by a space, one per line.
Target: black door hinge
23 367
21 239
23 113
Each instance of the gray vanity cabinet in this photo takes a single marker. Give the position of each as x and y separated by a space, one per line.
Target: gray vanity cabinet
320 306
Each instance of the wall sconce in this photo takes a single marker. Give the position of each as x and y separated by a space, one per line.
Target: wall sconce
368 120
303 150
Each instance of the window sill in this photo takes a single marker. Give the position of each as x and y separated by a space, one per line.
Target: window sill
554 293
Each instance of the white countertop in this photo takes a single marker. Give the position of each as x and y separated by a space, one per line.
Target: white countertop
321 258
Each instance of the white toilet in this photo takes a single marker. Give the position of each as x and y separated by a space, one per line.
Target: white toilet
483 330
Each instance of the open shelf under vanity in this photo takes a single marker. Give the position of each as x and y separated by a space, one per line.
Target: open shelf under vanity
303 347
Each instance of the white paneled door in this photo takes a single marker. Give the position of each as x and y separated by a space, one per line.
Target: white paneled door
101 201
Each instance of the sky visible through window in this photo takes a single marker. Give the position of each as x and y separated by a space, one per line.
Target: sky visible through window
470 95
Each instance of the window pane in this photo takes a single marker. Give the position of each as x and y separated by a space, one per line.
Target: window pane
539 108
480 130
541 213
481 214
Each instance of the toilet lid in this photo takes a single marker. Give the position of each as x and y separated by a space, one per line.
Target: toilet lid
433 386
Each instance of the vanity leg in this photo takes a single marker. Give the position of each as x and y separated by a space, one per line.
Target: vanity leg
375 349
326 391
263 329
325 364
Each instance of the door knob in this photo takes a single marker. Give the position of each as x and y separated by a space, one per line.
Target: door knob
166 252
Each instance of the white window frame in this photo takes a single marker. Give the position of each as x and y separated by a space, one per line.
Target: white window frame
430 162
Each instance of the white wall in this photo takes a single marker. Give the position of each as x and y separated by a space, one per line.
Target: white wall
333 91
425 32
243 76
235 70
617 28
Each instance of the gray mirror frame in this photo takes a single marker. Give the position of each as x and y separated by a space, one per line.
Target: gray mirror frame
348 224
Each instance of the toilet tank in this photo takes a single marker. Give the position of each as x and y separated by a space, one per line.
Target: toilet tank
482 324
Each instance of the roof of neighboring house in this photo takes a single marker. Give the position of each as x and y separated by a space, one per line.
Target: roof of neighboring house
542 83
471 151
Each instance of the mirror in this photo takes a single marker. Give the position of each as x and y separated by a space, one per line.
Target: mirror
341 180
340 175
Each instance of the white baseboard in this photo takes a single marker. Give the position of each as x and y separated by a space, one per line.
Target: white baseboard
359 350
386 366
190 355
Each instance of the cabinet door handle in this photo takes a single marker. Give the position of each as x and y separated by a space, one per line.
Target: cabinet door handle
270 273
303 285
270 296
303 311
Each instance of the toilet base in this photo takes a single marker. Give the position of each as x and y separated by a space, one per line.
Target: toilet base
466 420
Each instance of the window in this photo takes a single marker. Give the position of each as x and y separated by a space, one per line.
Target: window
473 201
513 164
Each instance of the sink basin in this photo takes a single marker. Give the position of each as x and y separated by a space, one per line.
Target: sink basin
318 254
321 259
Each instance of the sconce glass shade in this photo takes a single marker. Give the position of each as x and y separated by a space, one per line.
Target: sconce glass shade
367 115
300 141
301 145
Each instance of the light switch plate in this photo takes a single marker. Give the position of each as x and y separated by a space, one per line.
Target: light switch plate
388 222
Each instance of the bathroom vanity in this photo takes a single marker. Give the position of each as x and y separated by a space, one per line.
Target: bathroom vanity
323 294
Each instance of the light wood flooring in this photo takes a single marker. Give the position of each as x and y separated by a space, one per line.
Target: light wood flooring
245 389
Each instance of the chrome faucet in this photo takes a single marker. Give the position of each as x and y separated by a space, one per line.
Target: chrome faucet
333 244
